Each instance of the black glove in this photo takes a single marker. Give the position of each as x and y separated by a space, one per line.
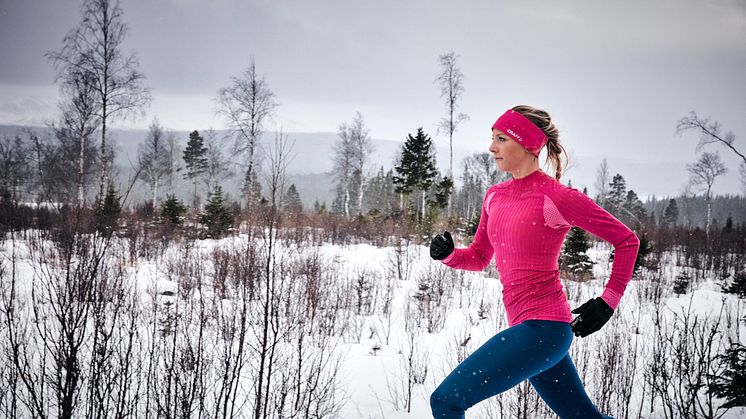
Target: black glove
441 246
593 314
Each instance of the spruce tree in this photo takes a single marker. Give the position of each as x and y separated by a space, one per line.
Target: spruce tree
617 194
731 384
173 210
681 283
738 285
728 228
633 204
574 259
291 202
216 216
380 195
195 160
106 211
415 171
671 214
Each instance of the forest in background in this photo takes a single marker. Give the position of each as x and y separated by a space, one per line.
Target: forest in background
114 308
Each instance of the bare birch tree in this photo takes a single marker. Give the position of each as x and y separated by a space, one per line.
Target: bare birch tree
15 167
343 167
710 132
362 147
153 157
94 50
703 174
451 83
218 165
602 182
80 120
246 104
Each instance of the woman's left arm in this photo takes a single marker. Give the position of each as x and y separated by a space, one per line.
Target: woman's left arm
581 211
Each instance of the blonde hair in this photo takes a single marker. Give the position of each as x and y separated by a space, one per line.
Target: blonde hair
541 119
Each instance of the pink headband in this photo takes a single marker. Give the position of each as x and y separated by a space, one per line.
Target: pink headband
521 129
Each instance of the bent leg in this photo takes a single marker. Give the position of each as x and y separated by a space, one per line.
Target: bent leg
560 387
508 358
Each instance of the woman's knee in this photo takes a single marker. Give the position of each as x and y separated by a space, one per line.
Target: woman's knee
444 402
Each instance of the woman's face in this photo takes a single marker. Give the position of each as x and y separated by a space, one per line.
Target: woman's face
508 154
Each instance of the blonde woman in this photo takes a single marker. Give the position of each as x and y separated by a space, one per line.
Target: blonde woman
523 224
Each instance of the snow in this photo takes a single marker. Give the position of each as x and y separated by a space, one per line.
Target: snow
371 380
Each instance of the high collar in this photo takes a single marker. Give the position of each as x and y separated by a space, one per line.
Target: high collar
529 179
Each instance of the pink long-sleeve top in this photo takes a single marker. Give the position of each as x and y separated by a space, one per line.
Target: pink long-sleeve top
523 225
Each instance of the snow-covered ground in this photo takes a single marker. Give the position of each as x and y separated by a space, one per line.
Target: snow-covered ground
373 376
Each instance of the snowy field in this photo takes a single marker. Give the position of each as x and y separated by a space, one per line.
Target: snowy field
400 323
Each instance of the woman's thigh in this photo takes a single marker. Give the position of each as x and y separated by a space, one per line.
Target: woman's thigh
508 358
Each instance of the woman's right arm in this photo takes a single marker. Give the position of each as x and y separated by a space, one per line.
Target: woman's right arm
479 254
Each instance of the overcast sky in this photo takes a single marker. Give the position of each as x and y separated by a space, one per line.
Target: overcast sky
615 75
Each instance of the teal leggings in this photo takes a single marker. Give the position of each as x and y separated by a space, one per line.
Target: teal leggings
535 350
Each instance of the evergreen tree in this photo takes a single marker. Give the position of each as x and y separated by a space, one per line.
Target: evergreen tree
671 214
645 248
443 191
728 224
731 385
617 194
291 202
415 171
635 212
380 193
195 159
173 210
217 217
319 208
106 211
681 283
252 189
738 285
574 259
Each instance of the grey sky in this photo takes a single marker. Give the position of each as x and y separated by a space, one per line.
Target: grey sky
616 76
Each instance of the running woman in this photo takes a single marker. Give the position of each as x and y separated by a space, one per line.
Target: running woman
523 224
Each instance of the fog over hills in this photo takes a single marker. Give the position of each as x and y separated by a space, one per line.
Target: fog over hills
312 153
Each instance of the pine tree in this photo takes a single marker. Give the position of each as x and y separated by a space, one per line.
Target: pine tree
291 202
671 214
574 259
173 210
216 217
617 194
415 171
106 211
195 159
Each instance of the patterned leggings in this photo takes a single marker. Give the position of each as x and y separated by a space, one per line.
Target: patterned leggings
535 350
